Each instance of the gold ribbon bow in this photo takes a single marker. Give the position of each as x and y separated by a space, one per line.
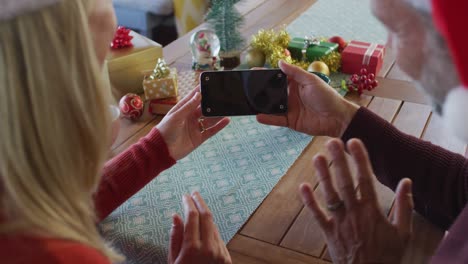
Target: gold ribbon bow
161 70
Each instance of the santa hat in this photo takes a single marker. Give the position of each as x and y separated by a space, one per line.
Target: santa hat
13 8
450 18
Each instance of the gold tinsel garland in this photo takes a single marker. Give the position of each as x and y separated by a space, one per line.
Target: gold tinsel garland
274 45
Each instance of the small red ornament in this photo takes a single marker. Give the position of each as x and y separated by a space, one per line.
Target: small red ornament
340 41
362 81
131 106
122 38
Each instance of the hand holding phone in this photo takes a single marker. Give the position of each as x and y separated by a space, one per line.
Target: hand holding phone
245 92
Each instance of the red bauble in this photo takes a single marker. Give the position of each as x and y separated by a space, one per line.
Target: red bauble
340 41
131 106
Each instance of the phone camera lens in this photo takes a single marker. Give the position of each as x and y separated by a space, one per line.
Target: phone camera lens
208 110
207 78
281 107
280 75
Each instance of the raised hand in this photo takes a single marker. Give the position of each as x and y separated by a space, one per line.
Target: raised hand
355 229
184 130
314 107
197 241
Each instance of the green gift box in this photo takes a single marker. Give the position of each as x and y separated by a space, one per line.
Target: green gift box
314 49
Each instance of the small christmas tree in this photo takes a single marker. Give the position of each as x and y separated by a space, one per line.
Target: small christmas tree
226 22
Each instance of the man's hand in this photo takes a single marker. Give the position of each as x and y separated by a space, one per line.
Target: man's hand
314 107
356 230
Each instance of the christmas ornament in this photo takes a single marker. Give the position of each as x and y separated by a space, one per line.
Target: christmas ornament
360 82
340 41
255 58
122 38
131 106
205 47
319 66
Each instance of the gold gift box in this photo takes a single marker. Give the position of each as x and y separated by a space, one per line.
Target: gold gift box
126 66
161 88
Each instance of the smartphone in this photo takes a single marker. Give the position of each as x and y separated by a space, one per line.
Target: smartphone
244 92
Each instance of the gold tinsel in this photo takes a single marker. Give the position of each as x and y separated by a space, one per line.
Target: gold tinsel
273 44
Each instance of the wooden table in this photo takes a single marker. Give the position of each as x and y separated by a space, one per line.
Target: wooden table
281 230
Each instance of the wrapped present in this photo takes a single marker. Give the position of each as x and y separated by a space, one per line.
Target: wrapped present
309 49
161 82
126 65
362 55
187 81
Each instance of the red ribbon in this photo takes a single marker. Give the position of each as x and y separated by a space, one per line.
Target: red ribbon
122 38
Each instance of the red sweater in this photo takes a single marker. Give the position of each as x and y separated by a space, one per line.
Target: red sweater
123 176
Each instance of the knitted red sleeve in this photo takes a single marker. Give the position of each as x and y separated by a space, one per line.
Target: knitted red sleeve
125 174
439 176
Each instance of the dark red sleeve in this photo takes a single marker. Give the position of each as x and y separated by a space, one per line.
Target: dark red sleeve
127 173
439 176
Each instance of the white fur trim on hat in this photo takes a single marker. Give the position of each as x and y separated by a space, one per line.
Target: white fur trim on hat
455 113
11 8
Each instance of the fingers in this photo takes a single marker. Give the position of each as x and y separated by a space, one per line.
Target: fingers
192 220
297 74
365 176
404 205
273 120
326 184
176 237
308 199
341 170
186 99
207 228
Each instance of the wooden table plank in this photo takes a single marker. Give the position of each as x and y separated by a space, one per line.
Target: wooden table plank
412 118
438 135
398 90
267 253
397 74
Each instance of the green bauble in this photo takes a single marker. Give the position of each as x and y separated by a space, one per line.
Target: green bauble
255 58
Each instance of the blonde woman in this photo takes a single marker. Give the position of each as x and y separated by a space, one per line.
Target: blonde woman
54 186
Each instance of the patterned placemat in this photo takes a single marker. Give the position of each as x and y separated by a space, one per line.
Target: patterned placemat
236 169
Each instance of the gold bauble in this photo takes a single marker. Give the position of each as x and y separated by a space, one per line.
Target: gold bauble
255 58
319 66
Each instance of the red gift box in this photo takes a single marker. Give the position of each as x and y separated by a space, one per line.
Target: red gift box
358 55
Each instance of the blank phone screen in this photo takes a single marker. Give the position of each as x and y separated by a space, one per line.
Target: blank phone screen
230 93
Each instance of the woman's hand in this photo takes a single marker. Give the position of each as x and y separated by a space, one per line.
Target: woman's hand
356 230
314 107
197 241
182 129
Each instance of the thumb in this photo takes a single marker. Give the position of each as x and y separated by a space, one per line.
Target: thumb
176 238
296 73
403 218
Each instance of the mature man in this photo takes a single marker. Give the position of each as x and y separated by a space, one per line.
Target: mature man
355 229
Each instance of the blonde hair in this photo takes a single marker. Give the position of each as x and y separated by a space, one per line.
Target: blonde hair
54 125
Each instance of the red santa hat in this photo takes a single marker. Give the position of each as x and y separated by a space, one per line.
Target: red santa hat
450 18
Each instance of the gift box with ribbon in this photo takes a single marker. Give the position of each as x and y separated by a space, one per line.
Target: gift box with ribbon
161 82
127 61
310 49
362 55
